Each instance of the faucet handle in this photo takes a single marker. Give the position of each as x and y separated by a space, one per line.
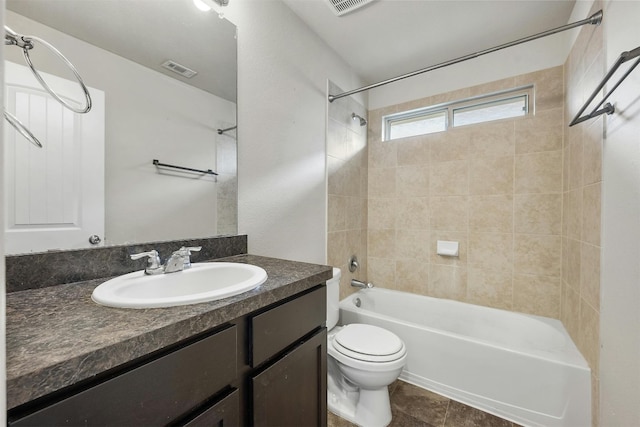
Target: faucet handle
186 253
153 263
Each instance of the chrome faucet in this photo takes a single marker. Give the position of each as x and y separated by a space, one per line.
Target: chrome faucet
178 261
358 284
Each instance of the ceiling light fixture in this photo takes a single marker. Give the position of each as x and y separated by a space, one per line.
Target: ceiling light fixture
207 5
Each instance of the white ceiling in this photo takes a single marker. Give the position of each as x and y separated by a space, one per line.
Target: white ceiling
388 38
148 32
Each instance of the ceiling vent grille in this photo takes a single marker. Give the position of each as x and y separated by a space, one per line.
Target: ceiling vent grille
180 69
342 7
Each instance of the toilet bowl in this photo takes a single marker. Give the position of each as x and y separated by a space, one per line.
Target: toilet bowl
362 361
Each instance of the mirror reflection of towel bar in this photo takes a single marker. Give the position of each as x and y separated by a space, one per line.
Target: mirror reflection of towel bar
208 171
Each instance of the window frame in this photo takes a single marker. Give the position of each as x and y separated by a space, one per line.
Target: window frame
450 107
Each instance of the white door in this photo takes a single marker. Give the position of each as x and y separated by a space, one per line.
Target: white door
54 196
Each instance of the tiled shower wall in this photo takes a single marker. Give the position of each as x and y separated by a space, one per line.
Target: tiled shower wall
496 188
347 188
582 178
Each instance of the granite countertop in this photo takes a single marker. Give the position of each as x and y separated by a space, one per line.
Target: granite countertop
57 336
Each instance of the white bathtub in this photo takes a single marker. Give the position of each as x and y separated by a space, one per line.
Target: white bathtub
519 367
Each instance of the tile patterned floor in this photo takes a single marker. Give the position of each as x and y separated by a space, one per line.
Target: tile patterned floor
413 406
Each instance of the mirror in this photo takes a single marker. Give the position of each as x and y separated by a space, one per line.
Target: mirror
150 112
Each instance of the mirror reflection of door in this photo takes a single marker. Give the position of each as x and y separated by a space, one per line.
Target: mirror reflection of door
55 194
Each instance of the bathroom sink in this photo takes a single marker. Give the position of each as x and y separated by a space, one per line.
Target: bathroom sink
208 281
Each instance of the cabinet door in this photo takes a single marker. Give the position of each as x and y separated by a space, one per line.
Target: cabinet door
293 390
225 413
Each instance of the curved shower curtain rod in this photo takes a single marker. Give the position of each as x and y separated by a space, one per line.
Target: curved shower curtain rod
594 19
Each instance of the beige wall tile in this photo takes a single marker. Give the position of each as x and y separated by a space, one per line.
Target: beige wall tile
412 244
591 201
574 261
490 288
337 213
573 217
449 178
454 147
565 168
491 87
382 154
447 282
382 182
538 213
381 272
412 181
537 254
592 154
412 213
575 165
337 248
414 151
491 175
541 132
539 295
589 335
491 213
356 213
590 275
381 243
382 213
549 87
493 139
336 139
571 312
539 172
449 213
491 251
412 276
337 176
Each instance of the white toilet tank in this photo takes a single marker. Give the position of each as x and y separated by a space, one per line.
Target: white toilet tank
333 299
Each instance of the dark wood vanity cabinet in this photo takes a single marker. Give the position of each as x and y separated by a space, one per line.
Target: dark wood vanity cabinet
267 368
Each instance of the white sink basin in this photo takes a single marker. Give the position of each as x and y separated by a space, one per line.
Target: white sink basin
208 281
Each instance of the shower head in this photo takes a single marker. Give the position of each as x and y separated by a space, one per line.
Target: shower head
363 121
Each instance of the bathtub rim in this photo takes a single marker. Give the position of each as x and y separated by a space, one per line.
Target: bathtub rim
571 356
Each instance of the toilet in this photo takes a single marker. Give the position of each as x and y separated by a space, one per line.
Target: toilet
362 361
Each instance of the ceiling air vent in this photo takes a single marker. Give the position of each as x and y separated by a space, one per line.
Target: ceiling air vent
342 7
180 69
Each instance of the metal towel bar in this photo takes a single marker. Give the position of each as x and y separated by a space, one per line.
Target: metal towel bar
607 108
208 171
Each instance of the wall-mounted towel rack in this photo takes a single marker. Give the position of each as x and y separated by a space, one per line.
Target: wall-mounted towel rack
208 171
221 131
607 108
26 43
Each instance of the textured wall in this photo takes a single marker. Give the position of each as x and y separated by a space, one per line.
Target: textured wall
581 186
619 371
347 189
496 188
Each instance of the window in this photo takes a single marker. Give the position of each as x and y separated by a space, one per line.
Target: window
439 118
417 124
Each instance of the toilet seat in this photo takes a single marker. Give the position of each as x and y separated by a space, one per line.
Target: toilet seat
368 343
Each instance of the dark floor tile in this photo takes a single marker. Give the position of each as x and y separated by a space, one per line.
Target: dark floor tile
335 421
400 419
419 404
459 415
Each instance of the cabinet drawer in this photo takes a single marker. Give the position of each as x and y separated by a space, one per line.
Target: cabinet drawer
153 393
276 329
225 413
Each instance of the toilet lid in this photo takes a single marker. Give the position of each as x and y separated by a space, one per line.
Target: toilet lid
367 341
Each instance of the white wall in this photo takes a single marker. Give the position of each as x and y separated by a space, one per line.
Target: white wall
525 58
282 77
3 317
620 278
148 116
